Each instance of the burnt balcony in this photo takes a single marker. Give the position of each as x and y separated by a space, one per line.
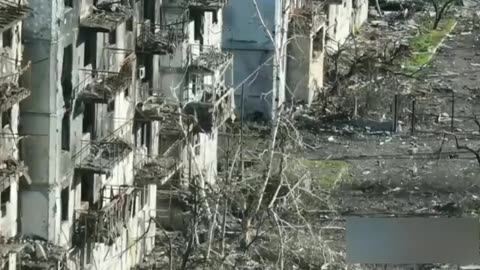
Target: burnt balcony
203 59
106 16
12 13
202 5
207 5
310 17
159 108
212 110
102 86
101 156
156 169
10 169
162 39
104 223
10 92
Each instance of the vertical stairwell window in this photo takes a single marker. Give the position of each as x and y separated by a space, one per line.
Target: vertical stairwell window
90 50
66 77
112 37
66 132
7 38
4 201
64 197
7 117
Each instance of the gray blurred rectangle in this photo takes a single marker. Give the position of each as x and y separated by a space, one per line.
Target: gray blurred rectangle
412 240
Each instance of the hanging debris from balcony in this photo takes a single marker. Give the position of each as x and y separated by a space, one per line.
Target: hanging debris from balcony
10 13
106 224
203 114
10 92
157 170
107 16
209 60
208 5
103 155
158 108
159 39
104 87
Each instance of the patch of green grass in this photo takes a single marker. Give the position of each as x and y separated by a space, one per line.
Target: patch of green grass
423 45
326 173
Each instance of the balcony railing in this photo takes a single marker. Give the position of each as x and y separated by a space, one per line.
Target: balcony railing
205 5
212 110
11 13
102 86
162 38
311 14
103 155
105 224
156 169
10 92
207 59
107 16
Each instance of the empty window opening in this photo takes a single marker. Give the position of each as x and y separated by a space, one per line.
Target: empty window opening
215 17
7 117
64 203
318 43
196 143
88 118
149 11
129 25
143 136
90 50
66 77
111 106
68 3
112 37
87 191
66 132
7 38
197 17
149 138
137 128
4 201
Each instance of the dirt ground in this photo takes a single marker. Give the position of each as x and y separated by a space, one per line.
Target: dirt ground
404 175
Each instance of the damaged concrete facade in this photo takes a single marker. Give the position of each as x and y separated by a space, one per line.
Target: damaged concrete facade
260 64
278 68
344 17
83 83
184 93
12 168
305 52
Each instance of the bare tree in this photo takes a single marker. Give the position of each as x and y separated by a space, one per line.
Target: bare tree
441 8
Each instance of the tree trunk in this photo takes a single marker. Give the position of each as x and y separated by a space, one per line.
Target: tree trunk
379 10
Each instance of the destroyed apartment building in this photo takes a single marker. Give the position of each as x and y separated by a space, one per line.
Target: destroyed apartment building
310 26
120 101
13 172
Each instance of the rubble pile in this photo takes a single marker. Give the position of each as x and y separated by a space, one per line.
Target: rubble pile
36 252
